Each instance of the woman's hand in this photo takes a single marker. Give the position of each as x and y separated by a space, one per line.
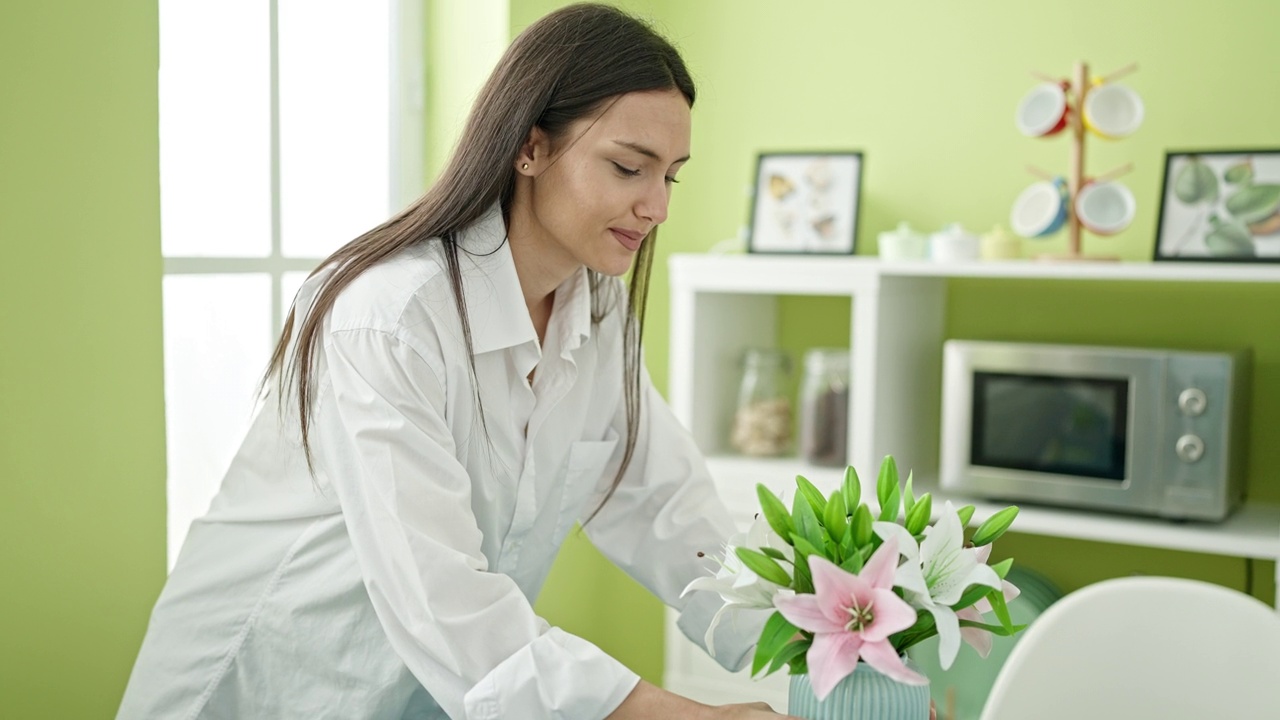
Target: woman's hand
746 711
649 701
761 711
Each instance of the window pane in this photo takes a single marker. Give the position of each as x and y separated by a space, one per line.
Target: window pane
335 91
289 284
217 334
215 128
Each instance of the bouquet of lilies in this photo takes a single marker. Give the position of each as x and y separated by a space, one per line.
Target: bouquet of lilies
849 585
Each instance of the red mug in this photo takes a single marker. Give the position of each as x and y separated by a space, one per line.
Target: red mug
1044 111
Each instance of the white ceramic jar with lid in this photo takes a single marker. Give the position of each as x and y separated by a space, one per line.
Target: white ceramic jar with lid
954 244
903 243
1000 244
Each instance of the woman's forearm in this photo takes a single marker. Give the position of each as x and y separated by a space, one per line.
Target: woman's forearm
649 701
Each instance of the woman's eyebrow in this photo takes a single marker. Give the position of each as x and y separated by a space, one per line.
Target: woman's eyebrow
643 150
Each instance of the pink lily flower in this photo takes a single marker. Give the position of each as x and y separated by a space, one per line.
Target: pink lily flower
852 617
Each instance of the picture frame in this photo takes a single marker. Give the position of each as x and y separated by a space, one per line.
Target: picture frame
1220 206
806 203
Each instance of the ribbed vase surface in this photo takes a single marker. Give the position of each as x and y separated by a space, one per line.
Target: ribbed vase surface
864 695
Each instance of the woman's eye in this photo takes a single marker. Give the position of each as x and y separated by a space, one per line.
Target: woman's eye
622 170
672 180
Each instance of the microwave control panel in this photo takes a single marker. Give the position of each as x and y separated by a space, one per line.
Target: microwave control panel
1198 456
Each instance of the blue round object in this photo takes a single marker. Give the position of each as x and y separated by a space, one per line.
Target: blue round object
967 683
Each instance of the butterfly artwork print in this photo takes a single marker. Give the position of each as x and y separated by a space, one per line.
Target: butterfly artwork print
806 202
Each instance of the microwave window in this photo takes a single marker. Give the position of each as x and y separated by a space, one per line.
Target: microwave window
1066 426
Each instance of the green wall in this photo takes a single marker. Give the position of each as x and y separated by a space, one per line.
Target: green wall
927 89
464 42
82 507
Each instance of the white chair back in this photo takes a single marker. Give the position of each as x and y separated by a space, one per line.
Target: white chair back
1144 647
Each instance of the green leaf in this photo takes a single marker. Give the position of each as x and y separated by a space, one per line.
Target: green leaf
887 490
775 513
1254 203
1239 174
851 488
852 563
862 521
887 482
833 552
764 566
855 562
812 494
774 553
996 597
804 578
777 633
918 516
1195 183
890 510
991 530
835 517
971 597
1000 630
924 621
849 543
806 521
799 665
1002 567
908 496
966 514
1229 238
806 547
924 628
790 650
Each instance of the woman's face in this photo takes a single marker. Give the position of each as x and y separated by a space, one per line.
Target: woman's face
594 196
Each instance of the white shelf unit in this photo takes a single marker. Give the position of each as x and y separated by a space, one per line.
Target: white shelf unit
723 304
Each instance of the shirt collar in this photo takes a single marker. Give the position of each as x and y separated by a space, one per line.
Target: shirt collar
496 310
571 313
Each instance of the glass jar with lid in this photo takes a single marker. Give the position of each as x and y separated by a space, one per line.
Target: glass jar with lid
762 421
824 407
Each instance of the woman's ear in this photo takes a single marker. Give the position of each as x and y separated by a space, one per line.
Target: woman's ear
534 154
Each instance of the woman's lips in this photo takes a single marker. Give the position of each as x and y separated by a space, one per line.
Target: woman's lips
629 238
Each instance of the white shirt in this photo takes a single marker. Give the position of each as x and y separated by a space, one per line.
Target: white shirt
399 581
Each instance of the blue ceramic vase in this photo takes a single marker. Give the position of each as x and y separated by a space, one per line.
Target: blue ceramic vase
865 694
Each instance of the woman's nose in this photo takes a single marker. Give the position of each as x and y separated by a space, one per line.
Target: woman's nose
652 207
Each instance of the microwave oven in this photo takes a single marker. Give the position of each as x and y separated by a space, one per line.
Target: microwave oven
1143 431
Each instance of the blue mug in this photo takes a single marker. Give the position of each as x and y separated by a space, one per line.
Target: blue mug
1041 209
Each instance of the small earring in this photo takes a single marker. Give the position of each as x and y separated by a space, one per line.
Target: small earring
524 166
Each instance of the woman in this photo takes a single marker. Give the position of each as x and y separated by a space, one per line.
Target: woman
452 392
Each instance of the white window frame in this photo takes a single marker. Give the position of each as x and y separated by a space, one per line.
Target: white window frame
406 148
406 55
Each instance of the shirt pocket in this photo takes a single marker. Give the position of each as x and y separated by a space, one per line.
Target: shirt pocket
584 474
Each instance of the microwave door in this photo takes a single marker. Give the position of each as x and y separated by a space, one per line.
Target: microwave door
1057 426
1067 426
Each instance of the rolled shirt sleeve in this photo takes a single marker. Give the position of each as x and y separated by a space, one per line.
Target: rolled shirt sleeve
467 634
665 511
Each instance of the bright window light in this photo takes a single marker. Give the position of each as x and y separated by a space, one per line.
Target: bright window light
276 148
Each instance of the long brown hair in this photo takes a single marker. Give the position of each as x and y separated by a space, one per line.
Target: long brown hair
563 67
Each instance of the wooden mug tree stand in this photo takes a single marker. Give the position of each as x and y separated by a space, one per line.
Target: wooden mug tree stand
1076 96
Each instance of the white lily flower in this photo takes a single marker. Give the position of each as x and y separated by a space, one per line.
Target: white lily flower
937 573
978 638
738 585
